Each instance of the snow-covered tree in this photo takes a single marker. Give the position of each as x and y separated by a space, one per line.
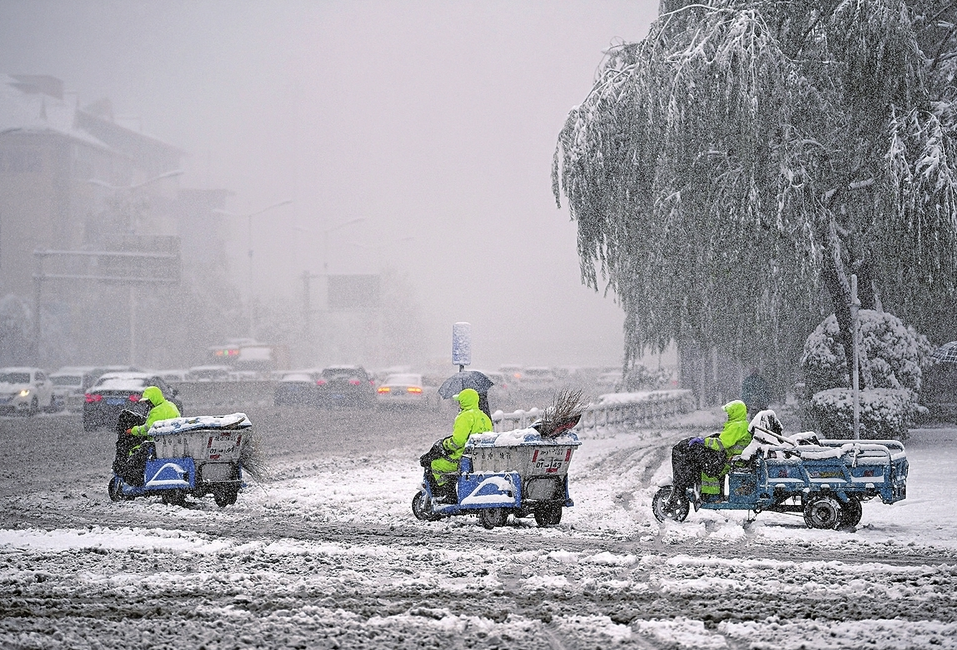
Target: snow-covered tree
732 170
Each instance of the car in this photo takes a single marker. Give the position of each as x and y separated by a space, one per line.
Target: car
539 379
70 383
208 373
501 395
406 389
115 392
345 386
174 375
25 390
608 382
297 389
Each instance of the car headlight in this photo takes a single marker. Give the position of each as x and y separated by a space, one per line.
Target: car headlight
24 392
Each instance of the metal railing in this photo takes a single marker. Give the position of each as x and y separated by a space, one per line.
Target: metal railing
610 411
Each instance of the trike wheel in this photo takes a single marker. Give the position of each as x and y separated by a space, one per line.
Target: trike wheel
822 512
851 512
113 489
660 505
225 496
548 516
422 507
173 497
493 517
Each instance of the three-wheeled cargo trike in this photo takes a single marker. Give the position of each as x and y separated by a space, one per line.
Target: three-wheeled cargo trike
187 456
517 473
823 480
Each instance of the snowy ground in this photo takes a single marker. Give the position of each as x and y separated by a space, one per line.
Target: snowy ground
328 554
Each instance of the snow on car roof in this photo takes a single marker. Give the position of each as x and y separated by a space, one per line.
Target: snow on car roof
404 379
134 381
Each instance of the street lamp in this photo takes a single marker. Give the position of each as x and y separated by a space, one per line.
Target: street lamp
129 189
249 287
325 238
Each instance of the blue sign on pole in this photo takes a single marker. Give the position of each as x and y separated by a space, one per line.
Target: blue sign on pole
462 344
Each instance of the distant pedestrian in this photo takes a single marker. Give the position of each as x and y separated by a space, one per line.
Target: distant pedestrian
755 392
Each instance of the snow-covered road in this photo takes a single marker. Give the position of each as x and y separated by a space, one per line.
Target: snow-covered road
328 554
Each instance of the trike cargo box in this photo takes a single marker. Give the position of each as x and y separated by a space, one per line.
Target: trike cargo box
523 451
202 438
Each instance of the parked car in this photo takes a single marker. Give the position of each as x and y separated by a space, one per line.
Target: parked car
406 389
25 390
345 386
116 391
297 389
70 383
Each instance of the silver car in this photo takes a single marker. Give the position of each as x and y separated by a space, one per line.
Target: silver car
25 390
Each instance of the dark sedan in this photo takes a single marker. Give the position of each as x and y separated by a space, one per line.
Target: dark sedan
345 386
118 391
296 389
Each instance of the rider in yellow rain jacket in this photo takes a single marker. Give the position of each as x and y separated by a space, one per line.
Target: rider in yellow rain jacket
469 420
732 440
161 409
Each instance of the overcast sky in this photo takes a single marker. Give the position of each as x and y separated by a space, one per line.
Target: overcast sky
432 121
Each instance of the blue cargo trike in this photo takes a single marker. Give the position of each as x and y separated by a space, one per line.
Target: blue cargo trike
192 456
825 480
517 473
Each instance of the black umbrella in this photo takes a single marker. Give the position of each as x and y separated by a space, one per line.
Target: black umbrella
465 379
947 353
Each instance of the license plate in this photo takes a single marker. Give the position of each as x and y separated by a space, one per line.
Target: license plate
223 446
550 460
114 401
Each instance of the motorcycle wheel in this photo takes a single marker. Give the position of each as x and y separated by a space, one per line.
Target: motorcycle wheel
422 507
659 505
492 517
548 516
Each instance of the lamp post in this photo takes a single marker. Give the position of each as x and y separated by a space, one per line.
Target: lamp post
306 276
249 286
129 190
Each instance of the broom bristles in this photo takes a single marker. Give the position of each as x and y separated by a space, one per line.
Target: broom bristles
253 460
564 414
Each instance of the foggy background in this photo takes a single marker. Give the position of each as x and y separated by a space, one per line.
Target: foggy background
430 125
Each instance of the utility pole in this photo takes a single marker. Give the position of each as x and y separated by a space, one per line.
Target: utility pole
856 344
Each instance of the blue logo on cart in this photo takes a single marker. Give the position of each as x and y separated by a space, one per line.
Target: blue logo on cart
168 474
496 490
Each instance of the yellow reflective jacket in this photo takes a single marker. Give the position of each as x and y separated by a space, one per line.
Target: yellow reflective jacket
469 420
162 409
732 440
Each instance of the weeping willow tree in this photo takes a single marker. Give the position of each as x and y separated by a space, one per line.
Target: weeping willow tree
730 172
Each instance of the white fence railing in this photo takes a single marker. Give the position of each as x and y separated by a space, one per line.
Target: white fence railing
612 410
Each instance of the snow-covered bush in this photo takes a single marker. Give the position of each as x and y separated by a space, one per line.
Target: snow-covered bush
885 413
892 355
